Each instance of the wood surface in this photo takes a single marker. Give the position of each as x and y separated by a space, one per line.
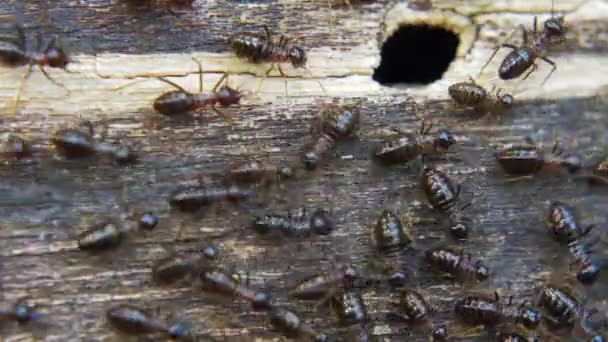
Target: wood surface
45 203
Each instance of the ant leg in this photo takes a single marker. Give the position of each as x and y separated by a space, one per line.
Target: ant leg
587 230
173 84
281 70
46 74
428 129
226 117
200 74
224 76
535 24
533 69
554 67
268 35
20 88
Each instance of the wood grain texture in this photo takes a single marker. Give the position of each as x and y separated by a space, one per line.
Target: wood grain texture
44 204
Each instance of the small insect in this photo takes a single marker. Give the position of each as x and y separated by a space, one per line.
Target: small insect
334 123
477 310
456 263
562 222
260 48
256 171
193 198
563 309
350 307
403 149
301 223
320 285
103 236
79 142
16 147
220 282
414 306
440 334
181 101
15 53
471 94
388 232
523 57
443 195
19 312
528 159
292 326
134 321
174 268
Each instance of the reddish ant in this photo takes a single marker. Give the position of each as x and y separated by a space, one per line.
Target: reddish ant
181 101
14 53
523 57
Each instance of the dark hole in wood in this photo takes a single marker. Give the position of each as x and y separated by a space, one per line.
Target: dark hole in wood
416 54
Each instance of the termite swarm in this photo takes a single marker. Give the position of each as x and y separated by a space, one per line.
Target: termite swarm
335 123
524 57
181 101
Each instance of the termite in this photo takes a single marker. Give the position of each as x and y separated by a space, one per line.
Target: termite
471 94
181 101
134 321
349 306
14 53
220 282
257 171
388 233
79 142
478 310
174 268
20 312
523 57
334 123
194 198
403 149
302 223
260 48
456 263
319 286
443 195
16 147
292 326
562 222
528 159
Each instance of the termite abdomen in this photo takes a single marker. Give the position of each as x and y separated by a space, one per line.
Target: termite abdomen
388 232
350 307
101 237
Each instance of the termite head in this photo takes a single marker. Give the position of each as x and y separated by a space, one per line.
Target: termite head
588 273
321 223
25 313
459 230
444 140
57 58
123 154
261 302
530 318
572 163
228 96
179 331
555 26
506 100
297 57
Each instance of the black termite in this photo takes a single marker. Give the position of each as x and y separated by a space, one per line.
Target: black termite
349 306
320 285
181 101
194 198
15 53
20 312
443 194
524 57
403 149
388 233
562 222
528 159
292 326
221 282
471 94
257 171
300 223
563 309
103 236
16 147
174 267
334 123
134 321
260 48
79 142
478 310
456 263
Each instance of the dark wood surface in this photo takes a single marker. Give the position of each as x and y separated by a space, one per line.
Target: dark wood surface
44 204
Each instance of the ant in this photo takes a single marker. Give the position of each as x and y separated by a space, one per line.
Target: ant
181 101
14 53
523 57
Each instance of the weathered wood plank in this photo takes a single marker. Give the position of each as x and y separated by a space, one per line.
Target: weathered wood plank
44 204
